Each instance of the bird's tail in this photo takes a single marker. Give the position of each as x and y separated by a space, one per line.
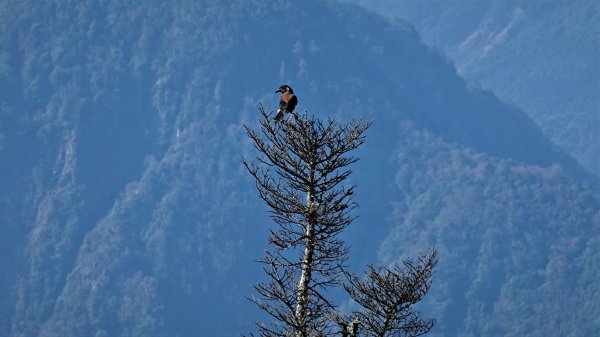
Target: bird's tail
279 115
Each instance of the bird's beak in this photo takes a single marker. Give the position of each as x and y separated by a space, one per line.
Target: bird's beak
278 90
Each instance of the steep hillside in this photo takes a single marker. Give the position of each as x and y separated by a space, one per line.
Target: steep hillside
542 55
124 207
517 242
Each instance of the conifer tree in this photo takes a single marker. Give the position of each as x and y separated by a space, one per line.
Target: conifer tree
300 175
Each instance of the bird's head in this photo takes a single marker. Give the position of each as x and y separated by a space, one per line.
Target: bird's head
285 88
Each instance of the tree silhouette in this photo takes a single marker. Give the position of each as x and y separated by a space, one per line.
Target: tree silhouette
387 295
300 172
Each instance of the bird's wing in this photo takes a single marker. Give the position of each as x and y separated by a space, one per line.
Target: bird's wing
292 103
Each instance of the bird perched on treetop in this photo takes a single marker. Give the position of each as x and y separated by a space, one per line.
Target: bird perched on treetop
287 101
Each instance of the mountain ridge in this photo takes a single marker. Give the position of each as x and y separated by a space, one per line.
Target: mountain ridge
542 56
126 208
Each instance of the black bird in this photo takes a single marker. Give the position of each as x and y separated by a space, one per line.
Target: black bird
287 101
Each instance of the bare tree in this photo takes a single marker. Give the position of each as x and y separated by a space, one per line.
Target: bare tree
300 174
388 295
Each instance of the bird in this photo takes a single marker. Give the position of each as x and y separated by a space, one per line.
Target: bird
287 101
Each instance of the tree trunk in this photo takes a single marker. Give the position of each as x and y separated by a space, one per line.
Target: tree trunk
307 259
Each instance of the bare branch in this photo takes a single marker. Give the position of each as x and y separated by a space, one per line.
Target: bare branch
388 294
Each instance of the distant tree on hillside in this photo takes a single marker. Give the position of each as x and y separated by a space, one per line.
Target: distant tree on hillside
300 175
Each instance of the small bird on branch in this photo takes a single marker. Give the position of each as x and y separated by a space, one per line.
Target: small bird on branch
287 101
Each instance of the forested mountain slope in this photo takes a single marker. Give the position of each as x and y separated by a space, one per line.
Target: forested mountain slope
124 208
542 55
518 243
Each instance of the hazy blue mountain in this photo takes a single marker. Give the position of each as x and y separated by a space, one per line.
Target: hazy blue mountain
543 55
517 242
125 210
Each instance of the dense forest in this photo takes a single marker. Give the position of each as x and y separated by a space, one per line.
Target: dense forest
542 55
125 209
516 241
